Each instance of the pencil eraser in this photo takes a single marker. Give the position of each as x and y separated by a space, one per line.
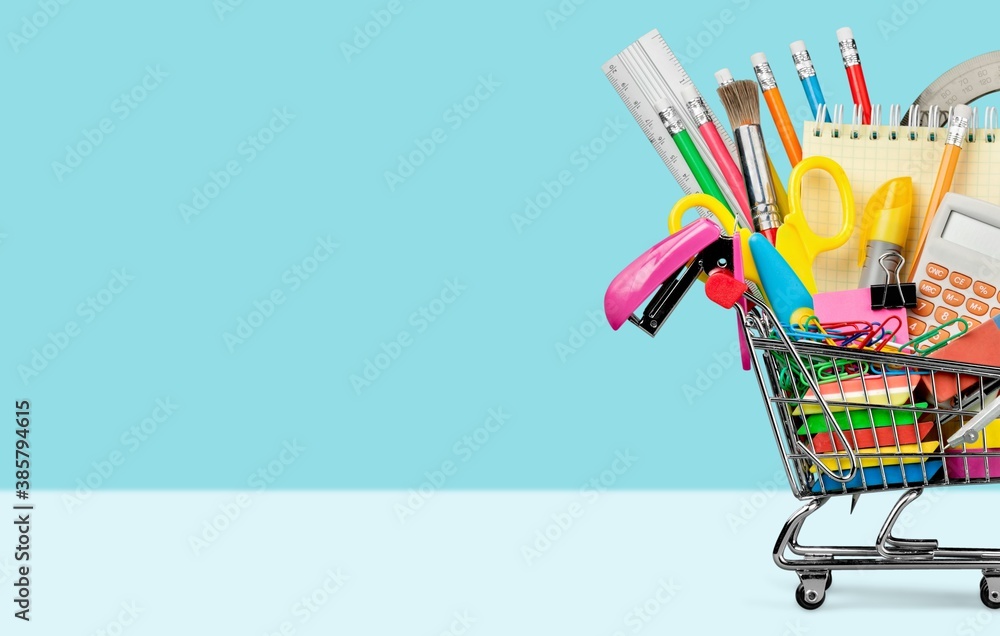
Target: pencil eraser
723 76
962 110
661 104
689 93
844 34
758 59
797 46
723 289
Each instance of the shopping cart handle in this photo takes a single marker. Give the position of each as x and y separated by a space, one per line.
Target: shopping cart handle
659 264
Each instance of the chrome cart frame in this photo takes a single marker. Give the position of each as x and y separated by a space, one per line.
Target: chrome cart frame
789 374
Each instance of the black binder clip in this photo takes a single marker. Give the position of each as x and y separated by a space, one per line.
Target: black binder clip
893 295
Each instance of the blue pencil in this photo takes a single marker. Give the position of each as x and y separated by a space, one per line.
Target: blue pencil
807 73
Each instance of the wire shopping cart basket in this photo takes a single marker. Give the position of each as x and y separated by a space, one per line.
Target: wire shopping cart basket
847 421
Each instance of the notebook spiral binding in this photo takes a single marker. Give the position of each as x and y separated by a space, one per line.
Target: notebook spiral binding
856 130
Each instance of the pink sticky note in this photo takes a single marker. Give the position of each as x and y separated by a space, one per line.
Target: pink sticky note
856 304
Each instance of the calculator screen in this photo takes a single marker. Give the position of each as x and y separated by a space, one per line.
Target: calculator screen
972 234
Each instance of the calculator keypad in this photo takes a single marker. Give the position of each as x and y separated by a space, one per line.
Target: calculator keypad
929 289
984 290
960 281
953 298
943 315
944 295
937 272
923 308
977 308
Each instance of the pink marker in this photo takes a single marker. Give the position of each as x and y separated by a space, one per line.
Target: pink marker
730 171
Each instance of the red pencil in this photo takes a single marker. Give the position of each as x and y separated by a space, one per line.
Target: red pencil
855 76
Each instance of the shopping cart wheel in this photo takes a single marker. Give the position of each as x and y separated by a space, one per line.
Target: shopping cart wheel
809 599
990 599
829 579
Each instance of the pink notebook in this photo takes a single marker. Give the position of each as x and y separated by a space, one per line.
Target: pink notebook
855 304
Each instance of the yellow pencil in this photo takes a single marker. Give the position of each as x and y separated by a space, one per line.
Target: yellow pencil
958 128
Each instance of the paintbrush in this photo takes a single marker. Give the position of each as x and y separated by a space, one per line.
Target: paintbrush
742 104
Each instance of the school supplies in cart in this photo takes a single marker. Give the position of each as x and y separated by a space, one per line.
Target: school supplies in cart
858 400
870 156
958 273
981 346
795 388
976 456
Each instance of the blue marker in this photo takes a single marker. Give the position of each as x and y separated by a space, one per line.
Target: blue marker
807 73
789 298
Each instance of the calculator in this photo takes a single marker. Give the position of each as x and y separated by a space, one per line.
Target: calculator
958 275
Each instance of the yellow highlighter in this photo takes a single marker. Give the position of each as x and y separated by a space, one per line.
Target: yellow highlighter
725 219
884 226
796 240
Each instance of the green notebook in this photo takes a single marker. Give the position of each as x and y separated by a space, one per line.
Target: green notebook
861 418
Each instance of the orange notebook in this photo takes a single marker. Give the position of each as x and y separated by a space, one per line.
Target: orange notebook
980 346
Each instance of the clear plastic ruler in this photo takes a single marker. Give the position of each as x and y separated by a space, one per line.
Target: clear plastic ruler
647 71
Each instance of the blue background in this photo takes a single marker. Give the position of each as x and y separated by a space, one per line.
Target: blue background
495 347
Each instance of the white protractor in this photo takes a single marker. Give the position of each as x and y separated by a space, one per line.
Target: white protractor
646 73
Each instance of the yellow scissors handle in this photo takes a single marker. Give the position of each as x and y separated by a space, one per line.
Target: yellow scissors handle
700 199
796 217
725 219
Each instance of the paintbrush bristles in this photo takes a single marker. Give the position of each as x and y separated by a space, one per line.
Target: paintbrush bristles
741 102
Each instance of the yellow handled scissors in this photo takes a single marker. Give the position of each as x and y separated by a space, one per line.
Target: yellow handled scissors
726 220
796 240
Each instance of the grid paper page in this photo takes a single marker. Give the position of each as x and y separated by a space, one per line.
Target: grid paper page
871 162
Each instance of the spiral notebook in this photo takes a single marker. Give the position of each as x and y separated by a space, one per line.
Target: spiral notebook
871 155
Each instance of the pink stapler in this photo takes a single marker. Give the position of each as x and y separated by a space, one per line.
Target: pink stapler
667 270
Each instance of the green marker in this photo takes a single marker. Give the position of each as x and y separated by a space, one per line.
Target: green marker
682 139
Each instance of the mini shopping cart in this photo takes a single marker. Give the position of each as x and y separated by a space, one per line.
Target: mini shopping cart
837 415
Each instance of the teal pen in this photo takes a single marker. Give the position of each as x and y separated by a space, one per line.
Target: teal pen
807 73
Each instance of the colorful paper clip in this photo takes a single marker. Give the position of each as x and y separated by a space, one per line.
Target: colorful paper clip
932 333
